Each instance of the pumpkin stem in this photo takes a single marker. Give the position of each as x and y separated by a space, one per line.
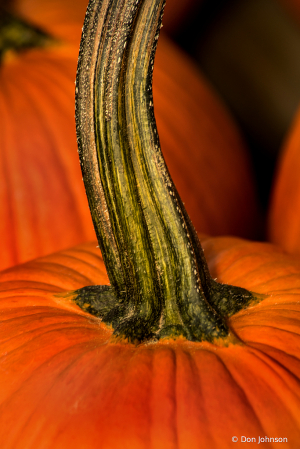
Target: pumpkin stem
160 283
18 35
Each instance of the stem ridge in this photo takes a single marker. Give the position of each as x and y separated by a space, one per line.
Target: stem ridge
156 266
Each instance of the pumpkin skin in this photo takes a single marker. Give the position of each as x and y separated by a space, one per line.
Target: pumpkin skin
207 139
67 384
283 219
43 205
62 18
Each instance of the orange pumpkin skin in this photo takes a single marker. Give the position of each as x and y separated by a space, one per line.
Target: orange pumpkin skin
43 207
205 154
284 219
66 384
61 18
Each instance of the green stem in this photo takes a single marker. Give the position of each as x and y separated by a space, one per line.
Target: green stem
160 283
18 35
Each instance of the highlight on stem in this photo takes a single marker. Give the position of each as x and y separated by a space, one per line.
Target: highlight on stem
160 283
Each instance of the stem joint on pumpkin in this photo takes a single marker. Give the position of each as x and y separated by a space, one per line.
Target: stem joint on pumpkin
152 251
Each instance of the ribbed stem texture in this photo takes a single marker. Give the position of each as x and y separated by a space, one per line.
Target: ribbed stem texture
161 286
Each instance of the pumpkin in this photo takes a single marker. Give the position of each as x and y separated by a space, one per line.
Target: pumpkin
62 18
283 215
207 138
43 203
66 383
174 347
43 206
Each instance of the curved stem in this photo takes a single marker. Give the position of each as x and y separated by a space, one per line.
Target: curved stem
161 286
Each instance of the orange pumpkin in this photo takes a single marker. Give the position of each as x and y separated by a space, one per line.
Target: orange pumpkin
69 382
43 206
284 220
43 203
61 18
208 139
66 383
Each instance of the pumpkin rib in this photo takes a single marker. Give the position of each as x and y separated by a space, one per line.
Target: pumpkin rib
276 363
269 348
277 337
79 260
88 263
60 355
285 291
218 354
272 307
83 265
23 288
164 360
287 318
52 81
48 268
191 373
38 332
8 190
72 346
38 108
42 314
30 187
81 256
259 326
239 393
257 262
232 267
20 185
284 305
287 386
33 335
39 314
261 384
56 70
33 338
82 252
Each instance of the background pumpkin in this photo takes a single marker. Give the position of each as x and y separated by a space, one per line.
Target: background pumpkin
43 207
66 384
284 220
64 24
249 51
